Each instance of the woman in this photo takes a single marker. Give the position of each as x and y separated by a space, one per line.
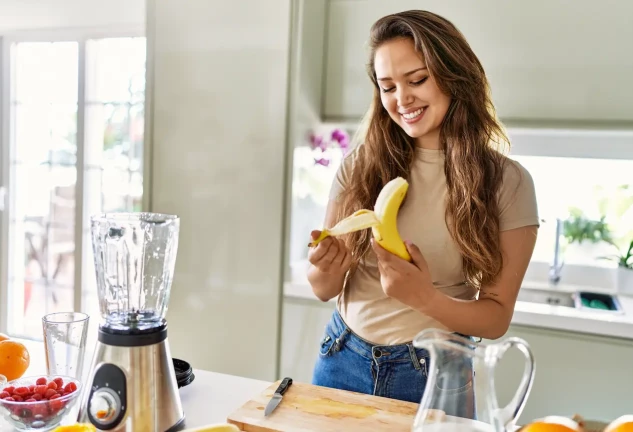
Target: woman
470 217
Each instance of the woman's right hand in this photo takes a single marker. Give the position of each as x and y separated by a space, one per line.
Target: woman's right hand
330 255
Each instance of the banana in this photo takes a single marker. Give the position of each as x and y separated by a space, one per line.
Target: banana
383 220
387 206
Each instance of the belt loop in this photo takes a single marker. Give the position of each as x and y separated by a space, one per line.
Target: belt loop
341 339
414 357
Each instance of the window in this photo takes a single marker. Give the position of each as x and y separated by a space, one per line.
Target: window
583 177
584 192
75 117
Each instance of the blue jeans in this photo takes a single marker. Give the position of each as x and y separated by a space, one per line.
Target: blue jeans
348 362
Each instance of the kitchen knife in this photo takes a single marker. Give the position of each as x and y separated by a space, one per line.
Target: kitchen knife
274 401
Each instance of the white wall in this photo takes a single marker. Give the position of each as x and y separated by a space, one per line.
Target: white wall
220 78
19 15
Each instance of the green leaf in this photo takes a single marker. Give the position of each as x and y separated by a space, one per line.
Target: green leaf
578 228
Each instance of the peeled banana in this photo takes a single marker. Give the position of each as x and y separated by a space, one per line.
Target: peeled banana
383 220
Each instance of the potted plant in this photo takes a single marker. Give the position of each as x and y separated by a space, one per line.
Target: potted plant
586 238
578 228
624 275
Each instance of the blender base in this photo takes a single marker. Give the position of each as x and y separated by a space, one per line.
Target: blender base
132 388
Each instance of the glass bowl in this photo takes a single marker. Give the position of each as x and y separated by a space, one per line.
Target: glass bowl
38 403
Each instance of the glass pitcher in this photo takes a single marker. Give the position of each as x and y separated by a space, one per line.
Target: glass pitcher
460 392
135 256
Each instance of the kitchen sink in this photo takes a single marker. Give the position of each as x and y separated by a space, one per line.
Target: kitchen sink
550 297
582 300
598 302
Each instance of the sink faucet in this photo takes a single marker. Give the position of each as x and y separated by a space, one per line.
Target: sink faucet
557 265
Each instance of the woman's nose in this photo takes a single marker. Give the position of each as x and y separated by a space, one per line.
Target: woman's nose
404 97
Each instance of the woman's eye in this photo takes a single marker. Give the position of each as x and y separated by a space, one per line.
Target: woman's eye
415 83
422 81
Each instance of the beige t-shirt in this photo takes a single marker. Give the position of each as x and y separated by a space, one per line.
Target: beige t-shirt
383 320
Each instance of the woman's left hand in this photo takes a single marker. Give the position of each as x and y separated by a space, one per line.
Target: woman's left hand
407 282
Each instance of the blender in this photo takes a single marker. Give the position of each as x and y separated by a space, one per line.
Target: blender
132 383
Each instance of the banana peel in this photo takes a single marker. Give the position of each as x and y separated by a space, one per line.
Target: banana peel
383 220
360 220
77 427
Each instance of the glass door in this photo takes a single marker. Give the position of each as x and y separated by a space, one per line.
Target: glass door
43 177
73 145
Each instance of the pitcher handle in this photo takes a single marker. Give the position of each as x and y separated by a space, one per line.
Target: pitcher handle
512 411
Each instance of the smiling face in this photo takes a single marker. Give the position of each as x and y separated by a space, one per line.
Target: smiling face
408 92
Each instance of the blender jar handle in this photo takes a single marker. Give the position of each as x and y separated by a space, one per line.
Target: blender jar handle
511 412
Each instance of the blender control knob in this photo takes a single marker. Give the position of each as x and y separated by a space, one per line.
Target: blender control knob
105 406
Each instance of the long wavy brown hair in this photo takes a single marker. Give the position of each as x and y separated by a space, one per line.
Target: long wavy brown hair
470 135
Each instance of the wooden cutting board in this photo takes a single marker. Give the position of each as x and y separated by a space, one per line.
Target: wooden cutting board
309 408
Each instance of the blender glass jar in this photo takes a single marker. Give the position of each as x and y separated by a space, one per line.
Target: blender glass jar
135 256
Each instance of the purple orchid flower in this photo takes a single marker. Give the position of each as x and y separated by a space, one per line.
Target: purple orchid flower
316 141
341 137
322 161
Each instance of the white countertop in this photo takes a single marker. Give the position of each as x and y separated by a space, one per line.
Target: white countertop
212 396
538 315
595 322
209 399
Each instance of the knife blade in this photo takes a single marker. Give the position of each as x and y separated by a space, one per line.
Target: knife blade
278 395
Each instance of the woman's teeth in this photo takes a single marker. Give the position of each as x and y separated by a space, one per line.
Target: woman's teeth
413 114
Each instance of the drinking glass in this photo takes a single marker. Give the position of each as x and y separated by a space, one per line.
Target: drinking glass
65 343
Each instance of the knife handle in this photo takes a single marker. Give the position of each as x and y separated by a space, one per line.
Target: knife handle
284 386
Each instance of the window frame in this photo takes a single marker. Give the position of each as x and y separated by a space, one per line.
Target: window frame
81 36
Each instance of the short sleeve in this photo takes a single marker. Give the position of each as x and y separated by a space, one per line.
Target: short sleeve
342 175
517 198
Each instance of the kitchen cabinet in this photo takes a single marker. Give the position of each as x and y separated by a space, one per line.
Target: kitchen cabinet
575 373
562 61
303 323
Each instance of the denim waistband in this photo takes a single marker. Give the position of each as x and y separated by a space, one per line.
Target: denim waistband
379 353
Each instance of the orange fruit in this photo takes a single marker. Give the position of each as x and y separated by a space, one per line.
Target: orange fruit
546 427
552 424
621 424
3 337
14 359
